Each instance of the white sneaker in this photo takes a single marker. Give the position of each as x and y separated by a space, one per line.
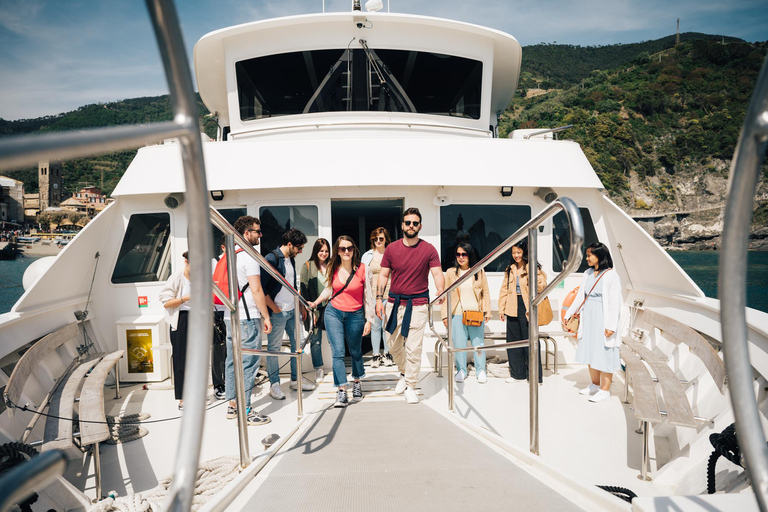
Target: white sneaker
600 396
589 390
410 396
306 384
510 380
400 387
459 377
319 374
276 392
482 378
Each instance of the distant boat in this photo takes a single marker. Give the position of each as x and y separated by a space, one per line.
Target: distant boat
27 239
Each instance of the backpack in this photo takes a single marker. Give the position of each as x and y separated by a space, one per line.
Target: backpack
221 279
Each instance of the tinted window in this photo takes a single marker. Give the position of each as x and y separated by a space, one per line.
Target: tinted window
276 220
145 252
561 239
231 214
483 226
357 79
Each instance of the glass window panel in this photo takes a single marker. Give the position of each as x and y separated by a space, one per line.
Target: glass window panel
231 214
561 239
276 220
145 253
483 226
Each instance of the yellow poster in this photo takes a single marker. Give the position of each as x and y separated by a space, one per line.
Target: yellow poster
139 343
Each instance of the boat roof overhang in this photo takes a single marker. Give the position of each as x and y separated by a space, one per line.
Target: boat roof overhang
362 162
216 53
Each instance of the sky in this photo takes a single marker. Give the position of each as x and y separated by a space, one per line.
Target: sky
59 55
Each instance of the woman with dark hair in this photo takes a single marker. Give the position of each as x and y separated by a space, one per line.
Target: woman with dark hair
175 297
348 315
514 306
471 295
372 259
598 304
312 284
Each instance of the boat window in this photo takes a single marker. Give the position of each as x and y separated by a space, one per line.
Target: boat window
145 253
276 220
359 79
231 214
561 239
484 226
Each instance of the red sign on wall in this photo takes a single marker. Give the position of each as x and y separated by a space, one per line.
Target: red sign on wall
143 302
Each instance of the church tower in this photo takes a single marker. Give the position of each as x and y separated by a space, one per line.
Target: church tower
49 182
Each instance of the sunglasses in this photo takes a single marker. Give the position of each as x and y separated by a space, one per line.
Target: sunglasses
414 222
461 255
348 248
380 239
254 230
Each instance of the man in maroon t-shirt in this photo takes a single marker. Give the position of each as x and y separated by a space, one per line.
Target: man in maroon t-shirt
409 261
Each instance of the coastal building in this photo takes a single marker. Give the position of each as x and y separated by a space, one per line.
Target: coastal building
49 180
11 203
88 200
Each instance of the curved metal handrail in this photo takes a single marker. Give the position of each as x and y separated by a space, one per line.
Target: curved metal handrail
745 171
574 260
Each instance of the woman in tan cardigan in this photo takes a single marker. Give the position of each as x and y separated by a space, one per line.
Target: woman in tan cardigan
472 295
513 305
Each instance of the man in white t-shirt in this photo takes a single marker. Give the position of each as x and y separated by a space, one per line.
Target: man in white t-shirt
281 304
252 309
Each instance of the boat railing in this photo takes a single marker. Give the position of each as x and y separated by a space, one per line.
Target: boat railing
530 230
232 237
27 150
732 283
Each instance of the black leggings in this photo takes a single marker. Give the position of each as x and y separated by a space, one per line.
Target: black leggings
517 329
179 353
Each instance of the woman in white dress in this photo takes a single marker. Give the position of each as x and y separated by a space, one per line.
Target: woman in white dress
598 302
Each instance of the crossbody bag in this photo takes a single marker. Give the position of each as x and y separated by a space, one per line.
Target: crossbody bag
572 324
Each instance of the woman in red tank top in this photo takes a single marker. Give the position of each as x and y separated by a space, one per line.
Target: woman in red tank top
348 315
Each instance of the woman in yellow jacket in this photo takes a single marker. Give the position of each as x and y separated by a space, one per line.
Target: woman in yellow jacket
513 305
472 295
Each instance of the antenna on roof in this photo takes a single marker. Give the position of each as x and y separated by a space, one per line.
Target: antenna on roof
356 5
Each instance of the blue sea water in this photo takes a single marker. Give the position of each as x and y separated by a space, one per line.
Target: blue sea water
700 265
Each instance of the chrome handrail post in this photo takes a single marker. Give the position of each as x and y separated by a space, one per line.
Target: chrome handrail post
171 45
237 351
533 340
745 172
451 356
300 351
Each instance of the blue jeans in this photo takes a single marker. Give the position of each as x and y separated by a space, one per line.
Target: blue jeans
463 333
316 348
250 337
378 334
341 326
281 322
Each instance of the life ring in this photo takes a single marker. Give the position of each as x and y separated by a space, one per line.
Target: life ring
567 301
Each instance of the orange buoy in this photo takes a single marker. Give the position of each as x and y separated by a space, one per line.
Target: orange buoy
567 301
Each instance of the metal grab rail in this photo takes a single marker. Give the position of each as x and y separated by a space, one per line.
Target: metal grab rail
574 259
21 481
732 282
237 350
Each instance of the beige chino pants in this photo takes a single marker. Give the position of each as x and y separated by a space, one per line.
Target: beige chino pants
407 352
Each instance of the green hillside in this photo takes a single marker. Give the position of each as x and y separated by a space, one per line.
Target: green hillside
676 111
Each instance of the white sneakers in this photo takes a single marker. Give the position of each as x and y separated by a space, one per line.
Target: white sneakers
482 378
600 396
400 387
306 384
319 374
276 392
460 376
589 390
410 396
510 380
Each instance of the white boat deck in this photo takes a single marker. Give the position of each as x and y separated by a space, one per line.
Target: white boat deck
597 446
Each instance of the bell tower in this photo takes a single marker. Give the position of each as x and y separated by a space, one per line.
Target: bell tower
49 183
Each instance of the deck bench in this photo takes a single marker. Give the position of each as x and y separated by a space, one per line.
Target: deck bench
640 361
82 383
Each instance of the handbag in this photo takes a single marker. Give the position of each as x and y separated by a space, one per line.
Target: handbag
471 318
545 312
572 324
